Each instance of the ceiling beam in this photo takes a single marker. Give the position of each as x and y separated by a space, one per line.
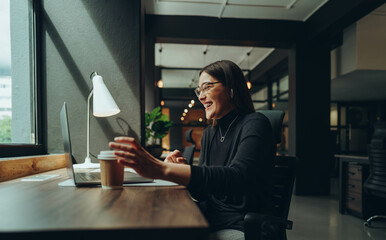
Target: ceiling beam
272 60
225 31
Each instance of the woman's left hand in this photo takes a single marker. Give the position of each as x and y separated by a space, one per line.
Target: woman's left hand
176 157
133 155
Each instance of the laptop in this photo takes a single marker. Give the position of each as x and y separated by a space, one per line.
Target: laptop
87 178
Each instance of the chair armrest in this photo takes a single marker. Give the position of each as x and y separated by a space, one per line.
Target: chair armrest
257 225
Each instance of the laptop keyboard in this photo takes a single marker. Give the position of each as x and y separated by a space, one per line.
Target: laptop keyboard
87 177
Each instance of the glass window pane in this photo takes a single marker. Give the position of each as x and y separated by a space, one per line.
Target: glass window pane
284 96
260 106
358 141
274 89
280 105
261 95
17 114
334 114
357 116
173 78
283 84
343 116
343 139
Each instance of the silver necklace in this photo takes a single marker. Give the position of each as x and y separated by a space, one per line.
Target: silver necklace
223 137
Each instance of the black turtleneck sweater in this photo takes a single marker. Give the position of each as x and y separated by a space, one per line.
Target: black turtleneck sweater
227 125
233 176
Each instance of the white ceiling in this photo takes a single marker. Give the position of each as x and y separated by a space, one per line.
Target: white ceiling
299 10
192 56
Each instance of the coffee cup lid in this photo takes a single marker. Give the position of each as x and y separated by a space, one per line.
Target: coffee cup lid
107 154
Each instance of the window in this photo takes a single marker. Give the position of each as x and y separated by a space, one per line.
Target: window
18 104
260 99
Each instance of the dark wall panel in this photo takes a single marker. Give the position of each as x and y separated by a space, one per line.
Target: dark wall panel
79 37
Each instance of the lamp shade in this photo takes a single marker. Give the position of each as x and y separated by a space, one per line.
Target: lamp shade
103 103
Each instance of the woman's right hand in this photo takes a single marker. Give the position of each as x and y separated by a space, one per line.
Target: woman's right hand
176 157
133 155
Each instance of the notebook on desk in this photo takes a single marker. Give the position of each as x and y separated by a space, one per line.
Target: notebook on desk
87 178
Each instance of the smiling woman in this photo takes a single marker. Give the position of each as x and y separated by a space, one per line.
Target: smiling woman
216 103
236 155
233 93
18 105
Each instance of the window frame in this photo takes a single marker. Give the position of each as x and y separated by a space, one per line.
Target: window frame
39 148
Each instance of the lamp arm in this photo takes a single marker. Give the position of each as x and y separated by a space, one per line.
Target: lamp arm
88 124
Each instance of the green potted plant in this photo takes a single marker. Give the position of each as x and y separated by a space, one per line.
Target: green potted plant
157 126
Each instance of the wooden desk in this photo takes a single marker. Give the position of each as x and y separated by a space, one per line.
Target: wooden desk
45 210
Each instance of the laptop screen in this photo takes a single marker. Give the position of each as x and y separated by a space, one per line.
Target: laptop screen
66 140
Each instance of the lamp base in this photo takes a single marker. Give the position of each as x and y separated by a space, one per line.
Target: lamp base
87 164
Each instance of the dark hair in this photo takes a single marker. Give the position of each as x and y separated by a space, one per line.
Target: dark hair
229 74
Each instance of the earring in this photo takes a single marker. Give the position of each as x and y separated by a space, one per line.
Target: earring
231 93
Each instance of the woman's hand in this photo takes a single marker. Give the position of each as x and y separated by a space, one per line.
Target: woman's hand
133 155
176 157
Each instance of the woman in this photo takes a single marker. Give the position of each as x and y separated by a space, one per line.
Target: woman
236 159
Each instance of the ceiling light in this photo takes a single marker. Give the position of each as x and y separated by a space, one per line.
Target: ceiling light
162 103
192 102
182 118
249 84
184 114
190 105
160 83
200 119
186 110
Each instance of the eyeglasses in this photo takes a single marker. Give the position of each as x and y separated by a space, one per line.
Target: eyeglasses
204 88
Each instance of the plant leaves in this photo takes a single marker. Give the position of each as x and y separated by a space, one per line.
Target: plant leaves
161 127
163 118
168 124
147 119
156 113
157 124
158 135
147 136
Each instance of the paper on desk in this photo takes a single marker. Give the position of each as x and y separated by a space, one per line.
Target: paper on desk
38 178
157 183
67 183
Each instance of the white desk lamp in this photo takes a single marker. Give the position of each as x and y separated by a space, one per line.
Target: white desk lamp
103 106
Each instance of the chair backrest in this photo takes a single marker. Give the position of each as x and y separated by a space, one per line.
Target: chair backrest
284 168
189 150
275 117
376 182
283 183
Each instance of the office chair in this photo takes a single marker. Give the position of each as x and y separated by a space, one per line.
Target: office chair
189 150
376 183
260 226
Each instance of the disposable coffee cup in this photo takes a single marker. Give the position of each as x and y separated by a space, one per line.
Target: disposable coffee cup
111 170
